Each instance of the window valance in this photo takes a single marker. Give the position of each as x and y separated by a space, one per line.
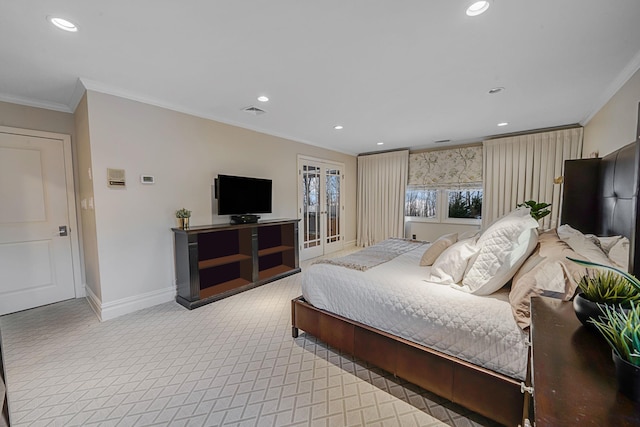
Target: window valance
459 167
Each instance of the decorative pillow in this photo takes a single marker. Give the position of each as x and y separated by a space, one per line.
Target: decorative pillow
607 242
582 245
437 247
503 248
619 254
469 234
451 264
547 269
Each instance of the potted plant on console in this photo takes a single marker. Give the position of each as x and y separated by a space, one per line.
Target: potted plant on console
183 216
621 329
619 323
598 289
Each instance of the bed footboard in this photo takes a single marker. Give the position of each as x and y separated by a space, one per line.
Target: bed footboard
488 393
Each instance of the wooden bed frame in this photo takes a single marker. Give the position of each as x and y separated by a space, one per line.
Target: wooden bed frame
486 392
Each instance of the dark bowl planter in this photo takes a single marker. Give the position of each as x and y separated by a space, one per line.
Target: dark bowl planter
586 309
628 376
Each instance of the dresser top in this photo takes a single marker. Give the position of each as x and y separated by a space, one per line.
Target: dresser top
573 373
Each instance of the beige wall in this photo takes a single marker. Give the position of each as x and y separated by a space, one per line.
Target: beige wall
429 231
184 153
84 193
615 125
21 116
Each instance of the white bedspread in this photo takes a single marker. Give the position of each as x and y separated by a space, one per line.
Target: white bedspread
396 298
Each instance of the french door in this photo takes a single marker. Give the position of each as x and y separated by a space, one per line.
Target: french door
320 207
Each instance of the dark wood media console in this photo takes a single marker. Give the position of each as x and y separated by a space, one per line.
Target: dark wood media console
217 261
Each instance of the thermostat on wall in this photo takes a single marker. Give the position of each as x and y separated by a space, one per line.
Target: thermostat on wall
147 179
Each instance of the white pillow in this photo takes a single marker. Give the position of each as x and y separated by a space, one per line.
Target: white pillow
436 248
499 259
619 254
582 245
452 263
500 248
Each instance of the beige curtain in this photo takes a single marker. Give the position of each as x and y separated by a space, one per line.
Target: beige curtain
382 180
521 168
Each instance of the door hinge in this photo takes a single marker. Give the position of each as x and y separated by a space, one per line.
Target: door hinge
526 389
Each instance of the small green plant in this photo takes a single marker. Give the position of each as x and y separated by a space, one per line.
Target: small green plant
538 210
183 213
630 278
621 329
608 287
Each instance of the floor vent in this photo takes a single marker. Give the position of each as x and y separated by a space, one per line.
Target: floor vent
253 110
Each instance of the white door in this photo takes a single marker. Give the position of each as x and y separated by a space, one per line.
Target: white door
321 209
35 247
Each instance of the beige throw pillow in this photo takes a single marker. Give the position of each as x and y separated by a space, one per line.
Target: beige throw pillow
437 247
547 269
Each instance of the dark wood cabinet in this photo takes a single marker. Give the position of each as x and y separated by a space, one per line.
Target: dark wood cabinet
216 261
572 372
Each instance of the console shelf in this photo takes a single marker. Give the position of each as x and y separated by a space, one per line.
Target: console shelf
214 262
217 261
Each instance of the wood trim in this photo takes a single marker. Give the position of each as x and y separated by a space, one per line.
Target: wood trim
488 393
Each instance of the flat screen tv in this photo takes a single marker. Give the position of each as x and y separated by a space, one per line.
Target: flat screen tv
239 195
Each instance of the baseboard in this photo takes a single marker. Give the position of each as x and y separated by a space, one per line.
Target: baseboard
349 244
94 301
111 310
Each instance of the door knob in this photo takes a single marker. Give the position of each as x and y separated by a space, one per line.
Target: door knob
62 231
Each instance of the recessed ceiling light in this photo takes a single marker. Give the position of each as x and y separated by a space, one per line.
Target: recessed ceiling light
478 8
63 24
503 124
263 98
380 143
495 90
338 127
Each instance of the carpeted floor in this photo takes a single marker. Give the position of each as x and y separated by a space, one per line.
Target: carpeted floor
230 363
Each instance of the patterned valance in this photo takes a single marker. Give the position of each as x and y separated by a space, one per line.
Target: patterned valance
449 168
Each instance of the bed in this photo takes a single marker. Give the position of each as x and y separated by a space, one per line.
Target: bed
474 354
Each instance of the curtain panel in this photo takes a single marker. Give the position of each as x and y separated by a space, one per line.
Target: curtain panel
382 180
521 168
454 168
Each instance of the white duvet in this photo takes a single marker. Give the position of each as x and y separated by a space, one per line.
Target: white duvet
396 298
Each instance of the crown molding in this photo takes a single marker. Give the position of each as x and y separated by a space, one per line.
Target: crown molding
627 72
96 86
35 103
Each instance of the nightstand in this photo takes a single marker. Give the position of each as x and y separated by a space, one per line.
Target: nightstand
572 372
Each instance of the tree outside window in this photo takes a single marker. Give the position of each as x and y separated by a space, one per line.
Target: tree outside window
465 204
421 203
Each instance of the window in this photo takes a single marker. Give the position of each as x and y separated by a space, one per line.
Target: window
421 203
464 204
446 205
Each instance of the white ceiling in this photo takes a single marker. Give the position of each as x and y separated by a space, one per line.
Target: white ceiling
406 72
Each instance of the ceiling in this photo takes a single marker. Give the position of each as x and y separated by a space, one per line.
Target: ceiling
403 72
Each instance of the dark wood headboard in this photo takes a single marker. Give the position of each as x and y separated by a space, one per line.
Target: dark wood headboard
601 196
